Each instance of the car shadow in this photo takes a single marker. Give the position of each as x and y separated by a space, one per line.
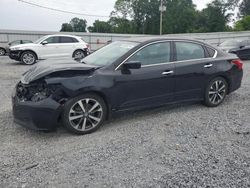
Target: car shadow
121 118
116 120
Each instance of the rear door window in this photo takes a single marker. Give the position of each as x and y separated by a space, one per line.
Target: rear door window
15 43
68 40
26 41
211 52
188 51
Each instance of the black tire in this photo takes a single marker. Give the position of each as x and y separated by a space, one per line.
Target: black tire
84 123
214 95
2 51
28 58
79 54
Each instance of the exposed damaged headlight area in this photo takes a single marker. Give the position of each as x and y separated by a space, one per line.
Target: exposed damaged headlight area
38 91
32 92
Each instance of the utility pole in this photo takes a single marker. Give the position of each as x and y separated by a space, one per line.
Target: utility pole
161 18
162 9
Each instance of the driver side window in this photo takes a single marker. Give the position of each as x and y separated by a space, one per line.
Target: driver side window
52 40
153 54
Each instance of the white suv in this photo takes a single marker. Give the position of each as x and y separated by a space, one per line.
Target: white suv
50 46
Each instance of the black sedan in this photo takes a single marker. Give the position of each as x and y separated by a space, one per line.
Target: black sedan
236 46
125 75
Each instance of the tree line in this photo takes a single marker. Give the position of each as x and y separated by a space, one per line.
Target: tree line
181 16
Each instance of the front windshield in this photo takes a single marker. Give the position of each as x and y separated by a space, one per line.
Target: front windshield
230 43
40 40
110 53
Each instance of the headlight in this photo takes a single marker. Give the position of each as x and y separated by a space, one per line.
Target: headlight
39 91
33 92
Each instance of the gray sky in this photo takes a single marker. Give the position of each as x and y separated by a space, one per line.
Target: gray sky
18 15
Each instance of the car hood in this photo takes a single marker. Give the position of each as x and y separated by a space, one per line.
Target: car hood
21 46
45 68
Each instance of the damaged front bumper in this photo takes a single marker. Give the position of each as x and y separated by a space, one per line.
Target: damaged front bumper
36 115
15 54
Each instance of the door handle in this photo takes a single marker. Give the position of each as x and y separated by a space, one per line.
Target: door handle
208 65
167 72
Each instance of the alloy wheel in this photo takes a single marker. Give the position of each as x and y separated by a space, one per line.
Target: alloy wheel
217 92
28 58
79 55
2 52
85 114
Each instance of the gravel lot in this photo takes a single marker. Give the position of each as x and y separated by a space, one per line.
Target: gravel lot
183 145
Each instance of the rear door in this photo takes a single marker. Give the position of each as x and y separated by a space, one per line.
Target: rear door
194 67
67 45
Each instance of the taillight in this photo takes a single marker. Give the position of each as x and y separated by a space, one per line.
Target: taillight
238 63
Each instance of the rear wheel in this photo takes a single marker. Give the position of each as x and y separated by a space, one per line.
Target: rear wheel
2 52
28 58
216 92
84 114
78 54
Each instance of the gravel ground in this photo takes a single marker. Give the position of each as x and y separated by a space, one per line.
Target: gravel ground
176 146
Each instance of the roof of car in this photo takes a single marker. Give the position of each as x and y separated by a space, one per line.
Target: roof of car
62 35
159 38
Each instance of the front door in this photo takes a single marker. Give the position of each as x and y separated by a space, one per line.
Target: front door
51 49
151 85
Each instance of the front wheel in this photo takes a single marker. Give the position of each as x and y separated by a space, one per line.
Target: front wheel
84 114
216 92
28 58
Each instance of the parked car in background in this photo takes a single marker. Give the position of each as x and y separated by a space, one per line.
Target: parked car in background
4 47
239 47
125 75
16 42
50 46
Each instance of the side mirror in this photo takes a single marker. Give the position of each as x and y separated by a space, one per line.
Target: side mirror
132 65
242 46
44 42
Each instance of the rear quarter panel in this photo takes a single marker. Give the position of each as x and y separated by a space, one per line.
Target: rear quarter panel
224 68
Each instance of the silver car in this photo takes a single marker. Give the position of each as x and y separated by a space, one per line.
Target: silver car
4 47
